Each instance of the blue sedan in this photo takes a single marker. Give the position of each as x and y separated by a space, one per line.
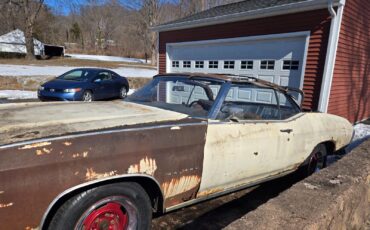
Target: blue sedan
85 84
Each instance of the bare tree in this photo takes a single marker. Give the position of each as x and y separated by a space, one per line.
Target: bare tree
31 12
30 9
147 15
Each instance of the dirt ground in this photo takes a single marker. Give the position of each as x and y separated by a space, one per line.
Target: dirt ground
72 62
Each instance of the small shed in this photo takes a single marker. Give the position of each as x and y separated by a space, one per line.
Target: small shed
14 43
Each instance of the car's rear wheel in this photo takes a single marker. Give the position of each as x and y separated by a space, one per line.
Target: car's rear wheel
114 206
315 162
87 96
123 93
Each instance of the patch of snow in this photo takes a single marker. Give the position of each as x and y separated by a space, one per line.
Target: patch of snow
362 133
18 94
28 70
106 58
131 91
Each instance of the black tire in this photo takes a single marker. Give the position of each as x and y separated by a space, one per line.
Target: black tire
123 92
316 161
78 210
87 96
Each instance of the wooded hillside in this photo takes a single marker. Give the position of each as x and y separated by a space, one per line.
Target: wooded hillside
109 27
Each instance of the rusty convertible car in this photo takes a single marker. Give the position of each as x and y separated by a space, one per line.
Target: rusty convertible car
181 139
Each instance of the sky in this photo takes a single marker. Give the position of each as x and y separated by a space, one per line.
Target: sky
63 6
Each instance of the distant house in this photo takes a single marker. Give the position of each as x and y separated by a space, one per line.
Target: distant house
14 43
319 46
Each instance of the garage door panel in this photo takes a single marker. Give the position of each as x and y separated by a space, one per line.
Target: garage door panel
245 94
264 96
267 78
283 80
281 51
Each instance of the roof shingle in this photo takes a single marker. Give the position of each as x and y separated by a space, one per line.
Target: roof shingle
233 8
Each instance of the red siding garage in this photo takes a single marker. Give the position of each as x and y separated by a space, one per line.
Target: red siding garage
350 92
317 22
341 88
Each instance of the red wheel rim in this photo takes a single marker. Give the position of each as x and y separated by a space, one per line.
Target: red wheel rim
107 217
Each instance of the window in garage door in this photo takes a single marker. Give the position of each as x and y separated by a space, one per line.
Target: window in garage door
246 64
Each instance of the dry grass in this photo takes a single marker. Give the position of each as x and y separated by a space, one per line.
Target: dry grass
32 83
137 82
72 62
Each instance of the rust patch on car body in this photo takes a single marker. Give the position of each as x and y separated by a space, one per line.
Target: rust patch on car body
209 192
180 185
40 152
92 175
35 145
31 228
146 165
6 205
83 154
67 143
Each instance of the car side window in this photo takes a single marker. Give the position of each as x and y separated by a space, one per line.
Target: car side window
249 102
104 76
287 107
114 76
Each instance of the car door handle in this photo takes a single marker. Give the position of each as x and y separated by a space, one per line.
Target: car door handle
286 130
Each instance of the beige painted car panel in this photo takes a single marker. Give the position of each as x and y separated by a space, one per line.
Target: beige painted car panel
239 153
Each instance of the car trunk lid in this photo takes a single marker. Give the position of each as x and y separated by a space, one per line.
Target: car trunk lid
27 121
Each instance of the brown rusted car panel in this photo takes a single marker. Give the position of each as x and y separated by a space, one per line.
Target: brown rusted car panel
34 174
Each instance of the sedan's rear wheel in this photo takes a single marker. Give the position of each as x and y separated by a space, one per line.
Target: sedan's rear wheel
115 206
123 93
87 96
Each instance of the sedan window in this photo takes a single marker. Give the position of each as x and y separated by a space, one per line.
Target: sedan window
77 75
104 76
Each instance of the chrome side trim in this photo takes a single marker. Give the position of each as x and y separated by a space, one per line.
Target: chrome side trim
64 193
218 194
92 133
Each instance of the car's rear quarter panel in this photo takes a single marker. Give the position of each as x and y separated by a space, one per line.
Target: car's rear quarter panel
32 175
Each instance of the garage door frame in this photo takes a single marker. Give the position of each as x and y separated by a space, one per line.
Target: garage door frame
304 34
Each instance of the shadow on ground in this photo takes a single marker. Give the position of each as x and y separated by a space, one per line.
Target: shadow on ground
220 212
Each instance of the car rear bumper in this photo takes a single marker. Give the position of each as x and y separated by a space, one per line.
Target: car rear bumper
58 96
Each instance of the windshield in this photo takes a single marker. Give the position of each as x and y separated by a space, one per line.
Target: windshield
77 75
179 94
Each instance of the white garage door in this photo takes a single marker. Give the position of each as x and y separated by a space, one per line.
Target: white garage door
276 58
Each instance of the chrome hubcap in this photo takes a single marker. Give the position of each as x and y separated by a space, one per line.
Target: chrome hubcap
123 92
87 97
